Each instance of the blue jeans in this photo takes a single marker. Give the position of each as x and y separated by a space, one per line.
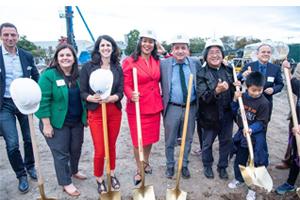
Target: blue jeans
8 115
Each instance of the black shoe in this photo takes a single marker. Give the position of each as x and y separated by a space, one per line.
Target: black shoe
101 187
137 178
170 172
223 173
23 184
185 172
208 172
32 173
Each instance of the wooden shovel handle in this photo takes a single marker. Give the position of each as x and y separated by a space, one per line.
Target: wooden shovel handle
35 150
139 128
244 120
106 143
138 117
292 105
185 124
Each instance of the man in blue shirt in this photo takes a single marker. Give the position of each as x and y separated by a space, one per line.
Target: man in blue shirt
15 63
175 73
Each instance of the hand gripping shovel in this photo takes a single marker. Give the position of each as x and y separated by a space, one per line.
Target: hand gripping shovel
176 193
144 192
109 195
257 176
37 161
293 110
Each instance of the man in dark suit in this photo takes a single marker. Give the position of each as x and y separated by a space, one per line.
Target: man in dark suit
15 63
272 73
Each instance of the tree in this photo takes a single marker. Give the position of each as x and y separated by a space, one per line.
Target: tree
31 47
197 45
166 46
244 41
132 38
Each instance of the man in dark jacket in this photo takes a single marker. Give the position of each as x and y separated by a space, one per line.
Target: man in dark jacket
15 63
215 92
272 73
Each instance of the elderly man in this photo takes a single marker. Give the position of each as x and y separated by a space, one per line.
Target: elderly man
215 91
15 63
272 73
175 73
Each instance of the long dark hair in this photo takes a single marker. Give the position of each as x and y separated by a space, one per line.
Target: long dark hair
115 55
138 51
54 63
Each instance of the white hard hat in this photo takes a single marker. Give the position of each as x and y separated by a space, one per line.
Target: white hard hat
179 39
148 34
26 95
214 42
101 81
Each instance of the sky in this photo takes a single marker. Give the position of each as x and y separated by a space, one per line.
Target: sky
41 21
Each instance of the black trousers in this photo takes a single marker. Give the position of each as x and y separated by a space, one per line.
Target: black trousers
65 146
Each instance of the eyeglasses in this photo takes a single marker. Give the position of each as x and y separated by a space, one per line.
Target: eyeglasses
211 53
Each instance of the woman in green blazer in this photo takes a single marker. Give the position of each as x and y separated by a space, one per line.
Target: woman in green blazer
63 116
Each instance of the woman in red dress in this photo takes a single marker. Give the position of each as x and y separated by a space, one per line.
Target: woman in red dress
146 60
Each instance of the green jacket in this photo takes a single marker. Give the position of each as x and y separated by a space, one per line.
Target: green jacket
54 103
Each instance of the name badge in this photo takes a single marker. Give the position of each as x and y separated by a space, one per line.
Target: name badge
60 83
270 79
29 68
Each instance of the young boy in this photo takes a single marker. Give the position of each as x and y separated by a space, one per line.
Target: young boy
289 185
257 113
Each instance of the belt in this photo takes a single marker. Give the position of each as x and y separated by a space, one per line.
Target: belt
182 105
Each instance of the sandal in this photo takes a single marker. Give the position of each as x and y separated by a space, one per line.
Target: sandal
147 168
115 183
101 187
137 178
74 193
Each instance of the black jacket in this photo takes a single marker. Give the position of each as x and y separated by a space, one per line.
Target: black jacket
85 90
211 107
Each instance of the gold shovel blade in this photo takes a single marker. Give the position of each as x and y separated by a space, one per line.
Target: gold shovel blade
176 194
112 195
258 176
46 198
144 193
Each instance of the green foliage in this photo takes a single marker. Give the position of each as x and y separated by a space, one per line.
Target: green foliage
196 45
31 47
166 46
132 38
244 41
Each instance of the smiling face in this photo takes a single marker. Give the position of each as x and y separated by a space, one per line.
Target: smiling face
147 46
180 51
255 91
9 37
65 59
105 48
214 57
264 54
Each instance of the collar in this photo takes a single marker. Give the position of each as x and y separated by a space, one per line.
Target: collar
249 97
4 52
186 62
261 64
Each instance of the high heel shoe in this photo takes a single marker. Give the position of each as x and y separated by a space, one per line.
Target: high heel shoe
101 187
137 181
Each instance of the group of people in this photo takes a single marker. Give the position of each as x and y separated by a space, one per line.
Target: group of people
69 103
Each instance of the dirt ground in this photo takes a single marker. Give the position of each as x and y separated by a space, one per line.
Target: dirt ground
197 187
